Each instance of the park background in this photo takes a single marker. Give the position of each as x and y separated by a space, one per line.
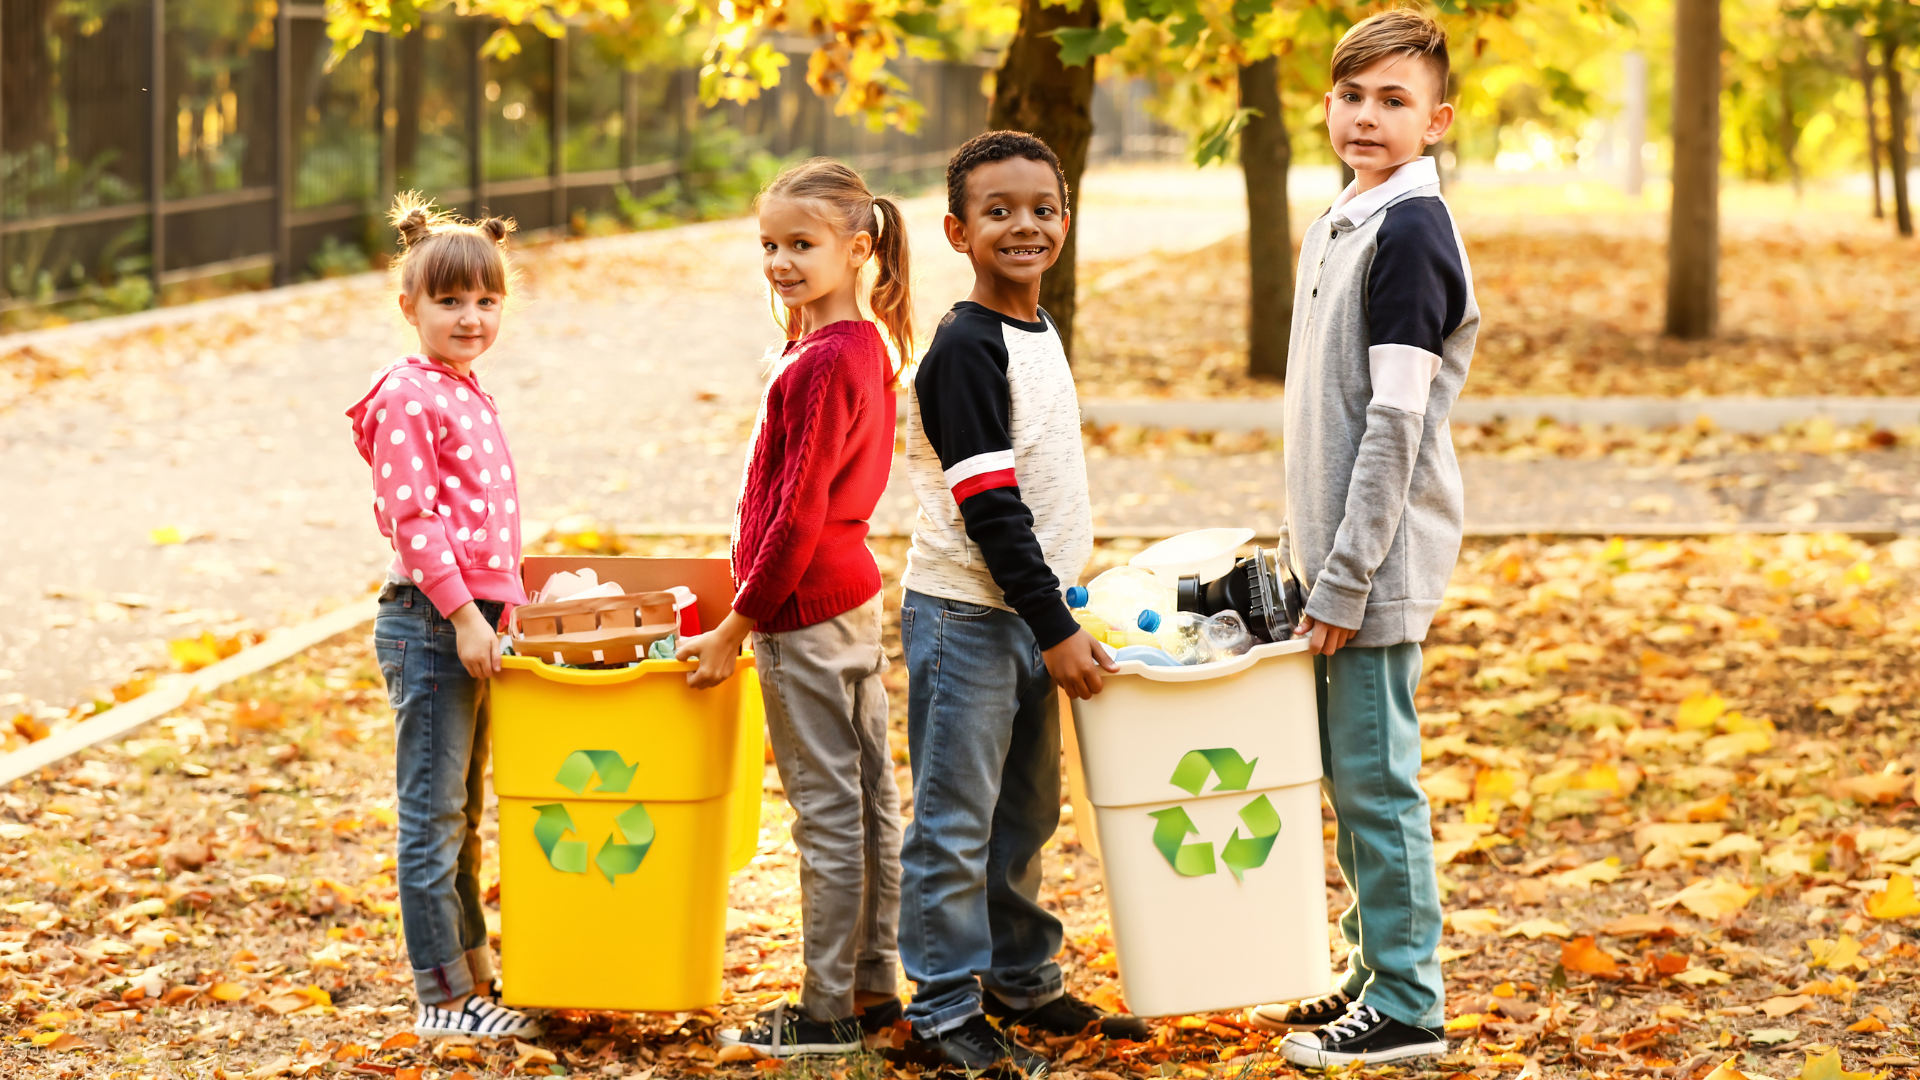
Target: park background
1669 699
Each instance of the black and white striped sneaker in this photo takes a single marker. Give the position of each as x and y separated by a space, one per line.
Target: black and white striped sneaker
778 1033
1363 1035
1302 1015
480 1018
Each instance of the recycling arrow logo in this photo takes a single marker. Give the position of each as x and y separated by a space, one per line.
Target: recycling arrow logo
1239 854
634 826
581 766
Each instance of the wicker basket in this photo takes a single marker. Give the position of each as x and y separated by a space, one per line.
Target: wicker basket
601 630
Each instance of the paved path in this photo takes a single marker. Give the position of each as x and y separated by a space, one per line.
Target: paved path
628 374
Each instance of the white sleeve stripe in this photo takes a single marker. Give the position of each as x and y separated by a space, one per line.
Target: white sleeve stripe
1402 375
977 464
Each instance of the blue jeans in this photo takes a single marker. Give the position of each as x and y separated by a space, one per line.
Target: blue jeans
983 729
1383 835
440 757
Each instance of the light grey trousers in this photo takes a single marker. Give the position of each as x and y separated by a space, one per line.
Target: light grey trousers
827 719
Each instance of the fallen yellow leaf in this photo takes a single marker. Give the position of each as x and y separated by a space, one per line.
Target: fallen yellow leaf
1827 1066
1896 901
1777 1007
1871 1023
1838 955
1534 929
1476 921
1596 872
1699 711
1710 898
227 991
1702 976
736 1052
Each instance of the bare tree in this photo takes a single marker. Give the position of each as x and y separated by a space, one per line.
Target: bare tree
1896 131
1873 126
1265 154
1034 92
1693 237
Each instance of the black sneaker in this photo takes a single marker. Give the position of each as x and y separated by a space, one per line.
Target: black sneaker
976 1047
1300 1015
1363 1035
879 1018
1066 1015
778 1033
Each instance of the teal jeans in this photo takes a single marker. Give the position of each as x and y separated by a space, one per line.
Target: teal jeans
1383 838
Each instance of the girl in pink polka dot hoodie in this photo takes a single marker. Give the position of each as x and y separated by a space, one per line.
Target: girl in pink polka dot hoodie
443 493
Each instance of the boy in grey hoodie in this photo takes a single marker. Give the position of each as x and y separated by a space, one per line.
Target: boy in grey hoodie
1384 322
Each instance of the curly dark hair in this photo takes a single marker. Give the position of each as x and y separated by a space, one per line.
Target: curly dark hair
988 148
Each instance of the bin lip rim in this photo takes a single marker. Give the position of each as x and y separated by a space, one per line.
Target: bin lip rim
608 676
1183 799
1218 669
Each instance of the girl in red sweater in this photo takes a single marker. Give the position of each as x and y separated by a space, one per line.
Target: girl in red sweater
809 593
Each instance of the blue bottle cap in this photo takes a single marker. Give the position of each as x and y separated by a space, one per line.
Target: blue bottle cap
1149 620
1076 596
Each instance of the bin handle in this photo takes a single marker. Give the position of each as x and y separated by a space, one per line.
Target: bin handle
610 676
1216 670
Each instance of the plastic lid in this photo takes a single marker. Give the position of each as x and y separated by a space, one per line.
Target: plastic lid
1149 620
1076 596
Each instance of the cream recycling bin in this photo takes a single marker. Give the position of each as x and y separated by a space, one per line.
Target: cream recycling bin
1205 787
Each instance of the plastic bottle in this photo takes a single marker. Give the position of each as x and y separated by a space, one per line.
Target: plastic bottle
1228 634
1184 637
1125 597
1192 638
1092 624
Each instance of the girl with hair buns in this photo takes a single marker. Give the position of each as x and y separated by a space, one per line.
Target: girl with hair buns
809 593
444 497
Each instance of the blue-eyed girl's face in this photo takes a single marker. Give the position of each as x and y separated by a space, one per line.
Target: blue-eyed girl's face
805 258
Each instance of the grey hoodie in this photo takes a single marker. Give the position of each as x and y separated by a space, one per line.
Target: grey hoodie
1384 322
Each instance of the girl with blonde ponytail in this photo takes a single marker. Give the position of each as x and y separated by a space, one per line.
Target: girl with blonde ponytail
444 497
808 591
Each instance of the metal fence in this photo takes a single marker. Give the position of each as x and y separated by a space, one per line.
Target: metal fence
149 142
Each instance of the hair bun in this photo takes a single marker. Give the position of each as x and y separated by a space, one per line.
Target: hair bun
416 225
498 229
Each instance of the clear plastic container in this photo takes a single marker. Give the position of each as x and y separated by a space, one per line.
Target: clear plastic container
1123 596
1191 638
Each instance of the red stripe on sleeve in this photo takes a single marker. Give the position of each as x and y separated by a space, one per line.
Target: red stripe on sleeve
974 485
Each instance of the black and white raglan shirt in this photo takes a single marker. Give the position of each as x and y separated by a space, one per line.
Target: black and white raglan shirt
1384 324
994 454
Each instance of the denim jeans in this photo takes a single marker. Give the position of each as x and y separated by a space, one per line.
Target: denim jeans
1383 834
983 728
440 758
827 720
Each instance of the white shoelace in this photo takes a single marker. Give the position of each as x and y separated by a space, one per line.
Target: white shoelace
1353 1025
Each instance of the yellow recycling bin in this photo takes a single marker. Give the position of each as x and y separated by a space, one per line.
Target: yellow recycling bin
626 798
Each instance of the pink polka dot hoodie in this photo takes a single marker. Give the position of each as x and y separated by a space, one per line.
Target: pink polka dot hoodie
443 489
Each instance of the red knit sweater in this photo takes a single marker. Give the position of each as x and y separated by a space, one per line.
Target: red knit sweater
818 464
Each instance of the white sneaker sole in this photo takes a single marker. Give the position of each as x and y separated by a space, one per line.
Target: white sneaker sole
731 1037
526 1031
1311 1056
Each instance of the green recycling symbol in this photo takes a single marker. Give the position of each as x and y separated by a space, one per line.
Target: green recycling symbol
1240 854
634 825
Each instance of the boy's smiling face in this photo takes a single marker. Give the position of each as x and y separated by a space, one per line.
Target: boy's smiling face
1016 221
1380 118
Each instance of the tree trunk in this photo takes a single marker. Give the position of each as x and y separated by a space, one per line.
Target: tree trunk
1034 92
1693 237
1265 153
1897 134
1873 127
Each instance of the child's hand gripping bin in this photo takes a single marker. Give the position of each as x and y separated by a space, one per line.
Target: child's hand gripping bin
626 798
1205 787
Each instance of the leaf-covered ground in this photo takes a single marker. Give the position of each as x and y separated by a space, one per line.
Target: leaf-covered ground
1673 791
1570 305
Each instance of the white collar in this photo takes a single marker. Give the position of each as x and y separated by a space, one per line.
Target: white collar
1355 207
